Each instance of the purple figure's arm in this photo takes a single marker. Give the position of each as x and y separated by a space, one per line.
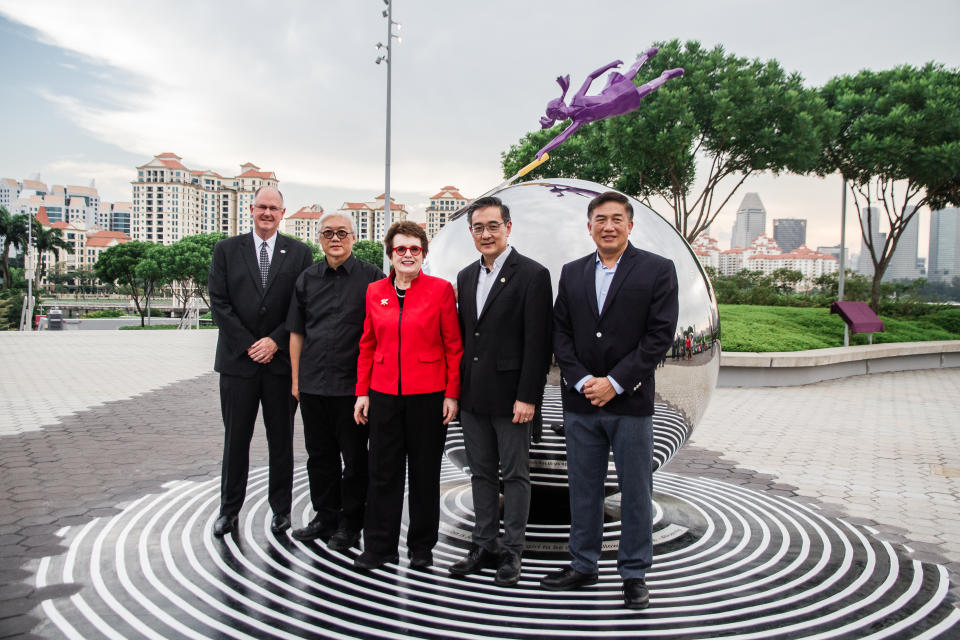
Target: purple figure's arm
590 78
556 142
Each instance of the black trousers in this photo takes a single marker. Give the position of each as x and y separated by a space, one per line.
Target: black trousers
240 400
404 429
338 493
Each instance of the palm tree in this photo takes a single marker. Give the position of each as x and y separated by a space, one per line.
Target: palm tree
47 239
14 231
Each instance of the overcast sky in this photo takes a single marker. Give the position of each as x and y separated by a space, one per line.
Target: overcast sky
92 89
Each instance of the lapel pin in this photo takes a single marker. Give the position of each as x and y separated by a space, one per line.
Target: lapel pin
503 279
383 302
283 250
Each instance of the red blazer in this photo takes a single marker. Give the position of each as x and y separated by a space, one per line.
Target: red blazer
422 344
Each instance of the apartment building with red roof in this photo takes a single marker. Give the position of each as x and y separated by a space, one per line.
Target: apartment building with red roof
443 204
171 201
370 219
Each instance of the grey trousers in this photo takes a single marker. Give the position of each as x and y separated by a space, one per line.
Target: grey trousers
494 443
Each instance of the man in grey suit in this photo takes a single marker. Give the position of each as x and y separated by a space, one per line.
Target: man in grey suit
504 304
251 281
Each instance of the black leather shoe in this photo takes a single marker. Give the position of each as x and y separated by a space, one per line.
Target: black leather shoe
343 539
368 560
476 559
280 523
635 594
224 525
567 578
421 559
315 530
508 573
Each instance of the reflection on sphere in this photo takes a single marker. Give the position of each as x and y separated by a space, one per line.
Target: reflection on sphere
550 225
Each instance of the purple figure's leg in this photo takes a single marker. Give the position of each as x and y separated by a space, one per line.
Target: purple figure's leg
593 76
556 142
635 67
656 83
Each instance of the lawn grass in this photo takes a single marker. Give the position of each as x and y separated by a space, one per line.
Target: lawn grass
760 328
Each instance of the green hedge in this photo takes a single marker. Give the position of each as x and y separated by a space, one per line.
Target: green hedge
763 328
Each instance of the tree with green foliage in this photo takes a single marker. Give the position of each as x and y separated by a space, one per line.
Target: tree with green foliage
736 117
369 251
786 280
13 229
118 264
47 239
895 138
201 256
315 250
151 271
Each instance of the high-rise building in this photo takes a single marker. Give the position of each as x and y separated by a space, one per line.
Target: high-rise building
304 224
369 218
944 256
441 207
870 220
171 201
903 262
751 221
790 233
835 252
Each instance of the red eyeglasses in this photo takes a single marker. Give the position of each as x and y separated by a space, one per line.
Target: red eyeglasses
414 251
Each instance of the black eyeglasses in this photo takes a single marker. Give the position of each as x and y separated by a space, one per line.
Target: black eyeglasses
340 233
414 251
492 227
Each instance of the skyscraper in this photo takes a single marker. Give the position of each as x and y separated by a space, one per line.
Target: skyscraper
789 233
870 222
903 263
751 221
944 263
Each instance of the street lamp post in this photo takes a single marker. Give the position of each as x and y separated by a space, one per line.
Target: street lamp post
387 57
843 251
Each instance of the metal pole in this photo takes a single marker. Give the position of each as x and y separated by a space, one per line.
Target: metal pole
843 251
386 179
26 323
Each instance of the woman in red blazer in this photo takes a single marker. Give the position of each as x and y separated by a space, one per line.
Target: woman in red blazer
408 382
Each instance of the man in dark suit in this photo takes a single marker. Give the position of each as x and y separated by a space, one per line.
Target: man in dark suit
614 319
251 281
504 306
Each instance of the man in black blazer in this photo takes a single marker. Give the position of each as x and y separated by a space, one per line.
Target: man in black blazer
251 281
504 302
614 319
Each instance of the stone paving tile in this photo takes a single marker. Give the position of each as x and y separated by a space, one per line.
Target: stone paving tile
82 366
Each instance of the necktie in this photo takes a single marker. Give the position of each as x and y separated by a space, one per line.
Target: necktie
264 265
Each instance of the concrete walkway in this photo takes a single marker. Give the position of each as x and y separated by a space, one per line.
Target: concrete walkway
90 420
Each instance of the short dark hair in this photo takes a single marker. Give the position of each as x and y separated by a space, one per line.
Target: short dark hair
610 196
488 201
407 228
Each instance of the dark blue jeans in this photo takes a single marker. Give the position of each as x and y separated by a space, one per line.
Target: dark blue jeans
589 440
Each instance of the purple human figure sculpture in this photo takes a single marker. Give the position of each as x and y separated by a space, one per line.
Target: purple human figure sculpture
618 97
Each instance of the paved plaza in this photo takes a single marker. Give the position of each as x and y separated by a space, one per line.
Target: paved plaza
92 422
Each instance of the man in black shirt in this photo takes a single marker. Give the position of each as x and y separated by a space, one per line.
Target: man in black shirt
325 323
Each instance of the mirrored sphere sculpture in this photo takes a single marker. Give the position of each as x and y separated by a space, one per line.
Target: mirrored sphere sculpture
550 225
